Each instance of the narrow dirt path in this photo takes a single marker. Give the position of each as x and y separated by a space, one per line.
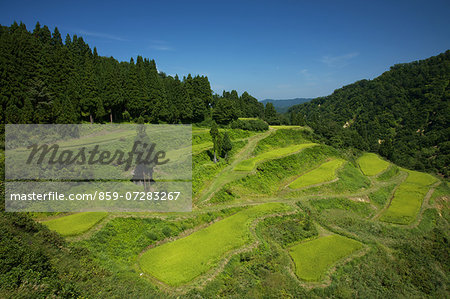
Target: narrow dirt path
227 174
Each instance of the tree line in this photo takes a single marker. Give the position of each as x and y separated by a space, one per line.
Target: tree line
44 79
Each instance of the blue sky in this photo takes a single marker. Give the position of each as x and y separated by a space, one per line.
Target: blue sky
272 49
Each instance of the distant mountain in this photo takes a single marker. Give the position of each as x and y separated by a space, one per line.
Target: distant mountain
282 106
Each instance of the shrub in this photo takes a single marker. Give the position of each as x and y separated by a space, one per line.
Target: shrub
126 116
250 125
167 231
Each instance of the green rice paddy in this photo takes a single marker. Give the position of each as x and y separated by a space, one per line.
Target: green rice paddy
249 164
180 261
313 258
371 164
408 198
324 173
75 224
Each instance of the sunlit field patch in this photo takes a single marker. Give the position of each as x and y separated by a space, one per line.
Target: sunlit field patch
249 164
324 173
371 164
313 258
289 127
408 198
75 224
180 261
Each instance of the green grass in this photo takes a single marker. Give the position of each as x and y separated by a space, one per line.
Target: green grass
290 127
282 138
75 224
389 174
371 164
223 195
179 262
324 173
313 258
443 190
249 164
361 208
273 174
201 139
351 179
381 196
288 230
203 169
408 198
198 148
118 244
248 118
201 136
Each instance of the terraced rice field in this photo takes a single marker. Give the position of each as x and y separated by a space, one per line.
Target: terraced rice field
408 198
180 261
198 148
313 258
324 173
75 224
250 164
371 164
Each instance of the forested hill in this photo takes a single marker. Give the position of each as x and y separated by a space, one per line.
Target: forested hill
46 80
402 114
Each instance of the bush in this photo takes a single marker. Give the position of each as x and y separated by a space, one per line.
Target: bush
250 125
167 231
288 229
126 116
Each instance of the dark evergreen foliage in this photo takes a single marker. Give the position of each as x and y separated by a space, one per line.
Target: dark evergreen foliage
403 114
250 125
227 146
243 106
215 136
43 80
270 115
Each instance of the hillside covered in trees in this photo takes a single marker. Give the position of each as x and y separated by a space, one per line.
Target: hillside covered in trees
402 114
46 80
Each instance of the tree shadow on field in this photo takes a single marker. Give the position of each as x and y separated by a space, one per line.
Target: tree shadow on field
210 154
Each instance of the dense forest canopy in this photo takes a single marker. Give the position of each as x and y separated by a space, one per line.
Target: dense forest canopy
402 114
46 80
